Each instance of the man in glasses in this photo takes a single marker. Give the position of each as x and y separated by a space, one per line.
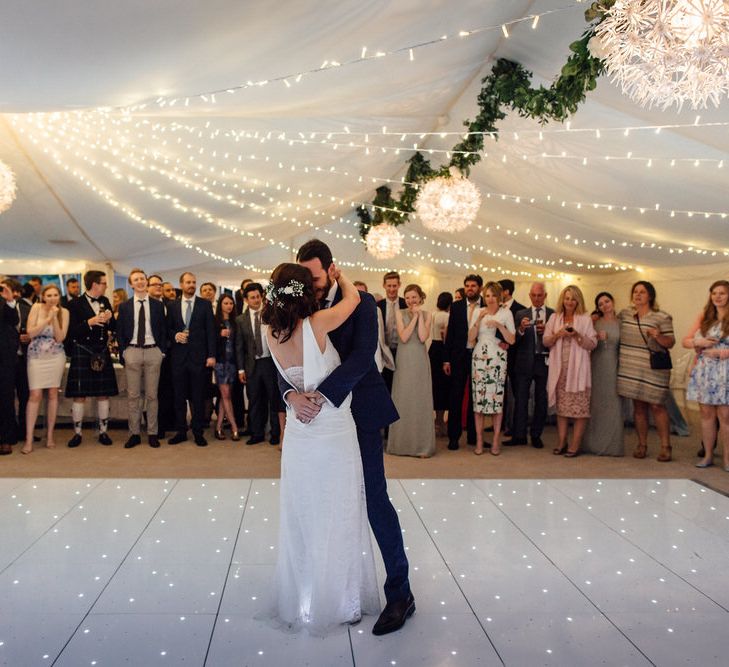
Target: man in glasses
91 372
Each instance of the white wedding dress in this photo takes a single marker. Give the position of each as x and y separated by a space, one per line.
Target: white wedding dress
325 573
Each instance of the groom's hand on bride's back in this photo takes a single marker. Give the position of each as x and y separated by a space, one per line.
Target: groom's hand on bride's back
303 406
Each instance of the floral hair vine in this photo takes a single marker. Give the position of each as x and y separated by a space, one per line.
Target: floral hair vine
293 288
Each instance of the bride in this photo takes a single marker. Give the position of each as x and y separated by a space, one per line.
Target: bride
325 573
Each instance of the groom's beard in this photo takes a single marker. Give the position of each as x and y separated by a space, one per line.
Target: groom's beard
321 292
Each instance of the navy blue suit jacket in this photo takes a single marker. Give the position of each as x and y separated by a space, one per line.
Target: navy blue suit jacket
356 342
203 339
125 324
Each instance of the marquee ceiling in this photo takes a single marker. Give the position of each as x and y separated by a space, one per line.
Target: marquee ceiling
118 157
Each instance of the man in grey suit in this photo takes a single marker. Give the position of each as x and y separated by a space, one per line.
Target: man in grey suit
256 369
530 365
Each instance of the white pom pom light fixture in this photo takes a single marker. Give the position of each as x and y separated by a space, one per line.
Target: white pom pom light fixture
384 241
666 52
448 204
7 187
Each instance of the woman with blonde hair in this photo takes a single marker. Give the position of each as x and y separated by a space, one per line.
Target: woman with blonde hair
488 367
709 382
414 433
47 327
571 337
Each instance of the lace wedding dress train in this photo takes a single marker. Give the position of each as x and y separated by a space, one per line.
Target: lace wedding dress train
325 573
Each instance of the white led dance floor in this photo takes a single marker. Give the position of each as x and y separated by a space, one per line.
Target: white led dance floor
519 572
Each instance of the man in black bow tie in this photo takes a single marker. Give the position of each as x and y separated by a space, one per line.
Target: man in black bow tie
91 372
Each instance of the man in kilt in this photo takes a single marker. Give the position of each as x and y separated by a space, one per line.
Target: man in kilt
91 372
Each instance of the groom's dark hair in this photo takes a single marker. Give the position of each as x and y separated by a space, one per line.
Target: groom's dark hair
315 249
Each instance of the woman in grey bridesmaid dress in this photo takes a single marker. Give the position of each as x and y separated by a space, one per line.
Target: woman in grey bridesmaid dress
604 435
414 433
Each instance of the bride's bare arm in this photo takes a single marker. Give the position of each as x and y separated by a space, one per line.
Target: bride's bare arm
326 320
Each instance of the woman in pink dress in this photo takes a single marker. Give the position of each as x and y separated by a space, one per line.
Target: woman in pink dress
571 337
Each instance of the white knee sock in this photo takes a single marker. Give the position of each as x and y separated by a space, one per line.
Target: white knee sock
102 408
77 414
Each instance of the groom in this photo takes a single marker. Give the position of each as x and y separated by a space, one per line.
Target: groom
372 409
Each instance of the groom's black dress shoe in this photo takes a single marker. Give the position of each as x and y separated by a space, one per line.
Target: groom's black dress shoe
394 615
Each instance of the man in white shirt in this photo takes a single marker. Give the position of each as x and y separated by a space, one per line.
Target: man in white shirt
256 369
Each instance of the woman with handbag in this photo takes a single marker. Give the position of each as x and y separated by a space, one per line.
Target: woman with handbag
709 382
644 366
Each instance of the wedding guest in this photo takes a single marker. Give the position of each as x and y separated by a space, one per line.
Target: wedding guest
604 435
225 366
570 337
191 326
413 434
91 372
493 325
709 381
383 356
142 335
208 291
389 306
47 328
645 329
441 382
240 299
23 295
530 366
118 297
73 291
8 358
169 292
256 369
508 301
459 294
457 360
37 284
165 391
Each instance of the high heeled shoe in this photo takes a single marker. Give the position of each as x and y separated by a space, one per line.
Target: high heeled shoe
219 435
234 436
571 455
640 451
664 456
559 451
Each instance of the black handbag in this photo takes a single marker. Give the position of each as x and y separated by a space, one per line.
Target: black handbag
660 359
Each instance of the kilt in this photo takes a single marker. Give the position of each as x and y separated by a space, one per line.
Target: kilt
82 381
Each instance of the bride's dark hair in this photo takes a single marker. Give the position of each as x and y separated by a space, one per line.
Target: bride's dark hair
289 298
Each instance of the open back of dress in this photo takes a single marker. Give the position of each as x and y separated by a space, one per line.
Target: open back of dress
325 573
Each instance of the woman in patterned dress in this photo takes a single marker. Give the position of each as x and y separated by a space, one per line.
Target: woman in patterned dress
643 327
47 327
709 382
571 337
488 369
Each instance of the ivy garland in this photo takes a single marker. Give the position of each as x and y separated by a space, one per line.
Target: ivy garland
507 86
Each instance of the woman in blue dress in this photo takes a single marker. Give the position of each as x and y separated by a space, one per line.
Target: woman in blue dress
709 382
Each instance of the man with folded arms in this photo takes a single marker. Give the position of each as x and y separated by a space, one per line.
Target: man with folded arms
142 334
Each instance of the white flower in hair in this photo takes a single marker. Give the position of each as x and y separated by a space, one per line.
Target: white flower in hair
292 289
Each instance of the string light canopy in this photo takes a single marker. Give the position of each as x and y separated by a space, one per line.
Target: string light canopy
384 241
7 187
448 204
667 52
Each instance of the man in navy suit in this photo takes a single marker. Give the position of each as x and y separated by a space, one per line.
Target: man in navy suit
191 326
142 334
457 359
530 365
508 301
8 359
372 408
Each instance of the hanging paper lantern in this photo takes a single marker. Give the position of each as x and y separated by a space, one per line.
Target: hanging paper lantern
7 187
666 52
448 204
384 241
